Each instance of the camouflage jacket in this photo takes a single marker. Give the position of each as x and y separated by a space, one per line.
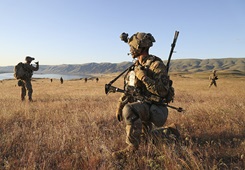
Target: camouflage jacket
155 85
29 70
213 76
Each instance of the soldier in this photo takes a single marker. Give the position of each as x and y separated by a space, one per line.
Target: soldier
85 80
213 77
25 83
97 79
150 81
61 80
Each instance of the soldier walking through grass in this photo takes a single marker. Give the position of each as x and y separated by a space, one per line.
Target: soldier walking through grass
61 80
25 81
213 77
149 82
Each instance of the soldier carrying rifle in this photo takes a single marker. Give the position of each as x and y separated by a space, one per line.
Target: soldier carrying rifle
213 77
147 91
23 72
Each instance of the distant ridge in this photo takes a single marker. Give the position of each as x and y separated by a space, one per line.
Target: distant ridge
198 65
232 65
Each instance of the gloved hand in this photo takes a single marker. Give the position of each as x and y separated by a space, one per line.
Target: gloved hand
119 114
139 73
122 102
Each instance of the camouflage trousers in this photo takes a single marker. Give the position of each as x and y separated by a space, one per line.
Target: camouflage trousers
139 118
26 85
213 82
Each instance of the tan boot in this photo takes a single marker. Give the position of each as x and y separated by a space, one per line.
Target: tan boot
173 130
129 150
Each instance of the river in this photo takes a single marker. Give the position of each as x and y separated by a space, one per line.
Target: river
4 76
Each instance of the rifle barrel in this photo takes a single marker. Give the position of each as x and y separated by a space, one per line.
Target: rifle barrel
112 81
172 49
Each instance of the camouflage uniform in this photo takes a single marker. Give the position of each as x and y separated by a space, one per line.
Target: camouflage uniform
25 83
145 107
213 77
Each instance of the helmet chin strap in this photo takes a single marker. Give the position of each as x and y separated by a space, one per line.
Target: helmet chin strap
136 52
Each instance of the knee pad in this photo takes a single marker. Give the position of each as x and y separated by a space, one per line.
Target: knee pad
158 115
129 114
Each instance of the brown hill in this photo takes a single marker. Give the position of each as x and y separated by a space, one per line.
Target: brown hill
229 65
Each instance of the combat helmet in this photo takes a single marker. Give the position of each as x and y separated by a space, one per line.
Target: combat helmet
28 58
138 42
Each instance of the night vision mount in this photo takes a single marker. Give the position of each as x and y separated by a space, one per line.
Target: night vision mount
124 37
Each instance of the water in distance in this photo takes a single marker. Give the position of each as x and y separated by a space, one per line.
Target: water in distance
50 76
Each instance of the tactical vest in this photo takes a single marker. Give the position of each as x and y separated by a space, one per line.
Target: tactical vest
139 89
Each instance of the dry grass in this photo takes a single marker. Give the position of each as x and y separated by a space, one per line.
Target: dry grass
73 126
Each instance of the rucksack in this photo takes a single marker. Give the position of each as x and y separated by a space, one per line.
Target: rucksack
170 96
19 71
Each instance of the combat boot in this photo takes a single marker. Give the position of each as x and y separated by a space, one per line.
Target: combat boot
165 134
124 153
172 131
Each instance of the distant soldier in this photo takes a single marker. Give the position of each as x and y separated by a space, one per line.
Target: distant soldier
213 77
25 82
85 80
97 79
51 80
61 80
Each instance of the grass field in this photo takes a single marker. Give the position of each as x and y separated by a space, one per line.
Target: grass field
73 126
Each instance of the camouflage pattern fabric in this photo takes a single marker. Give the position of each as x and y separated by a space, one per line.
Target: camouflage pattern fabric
141 112
213 77
156 81
26 82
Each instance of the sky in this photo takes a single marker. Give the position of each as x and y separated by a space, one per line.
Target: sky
58 32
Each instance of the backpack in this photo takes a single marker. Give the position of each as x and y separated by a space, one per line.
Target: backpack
19 71
170 96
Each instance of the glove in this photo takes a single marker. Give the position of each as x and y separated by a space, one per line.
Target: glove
139 73
122 102
119 114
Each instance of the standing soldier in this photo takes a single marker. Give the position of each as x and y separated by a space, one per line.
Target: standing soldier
61 80
150 81
213 77
25 82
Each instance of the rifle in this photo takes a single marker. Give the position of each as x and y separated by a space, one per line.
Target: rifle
109 85
172 49
113 89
